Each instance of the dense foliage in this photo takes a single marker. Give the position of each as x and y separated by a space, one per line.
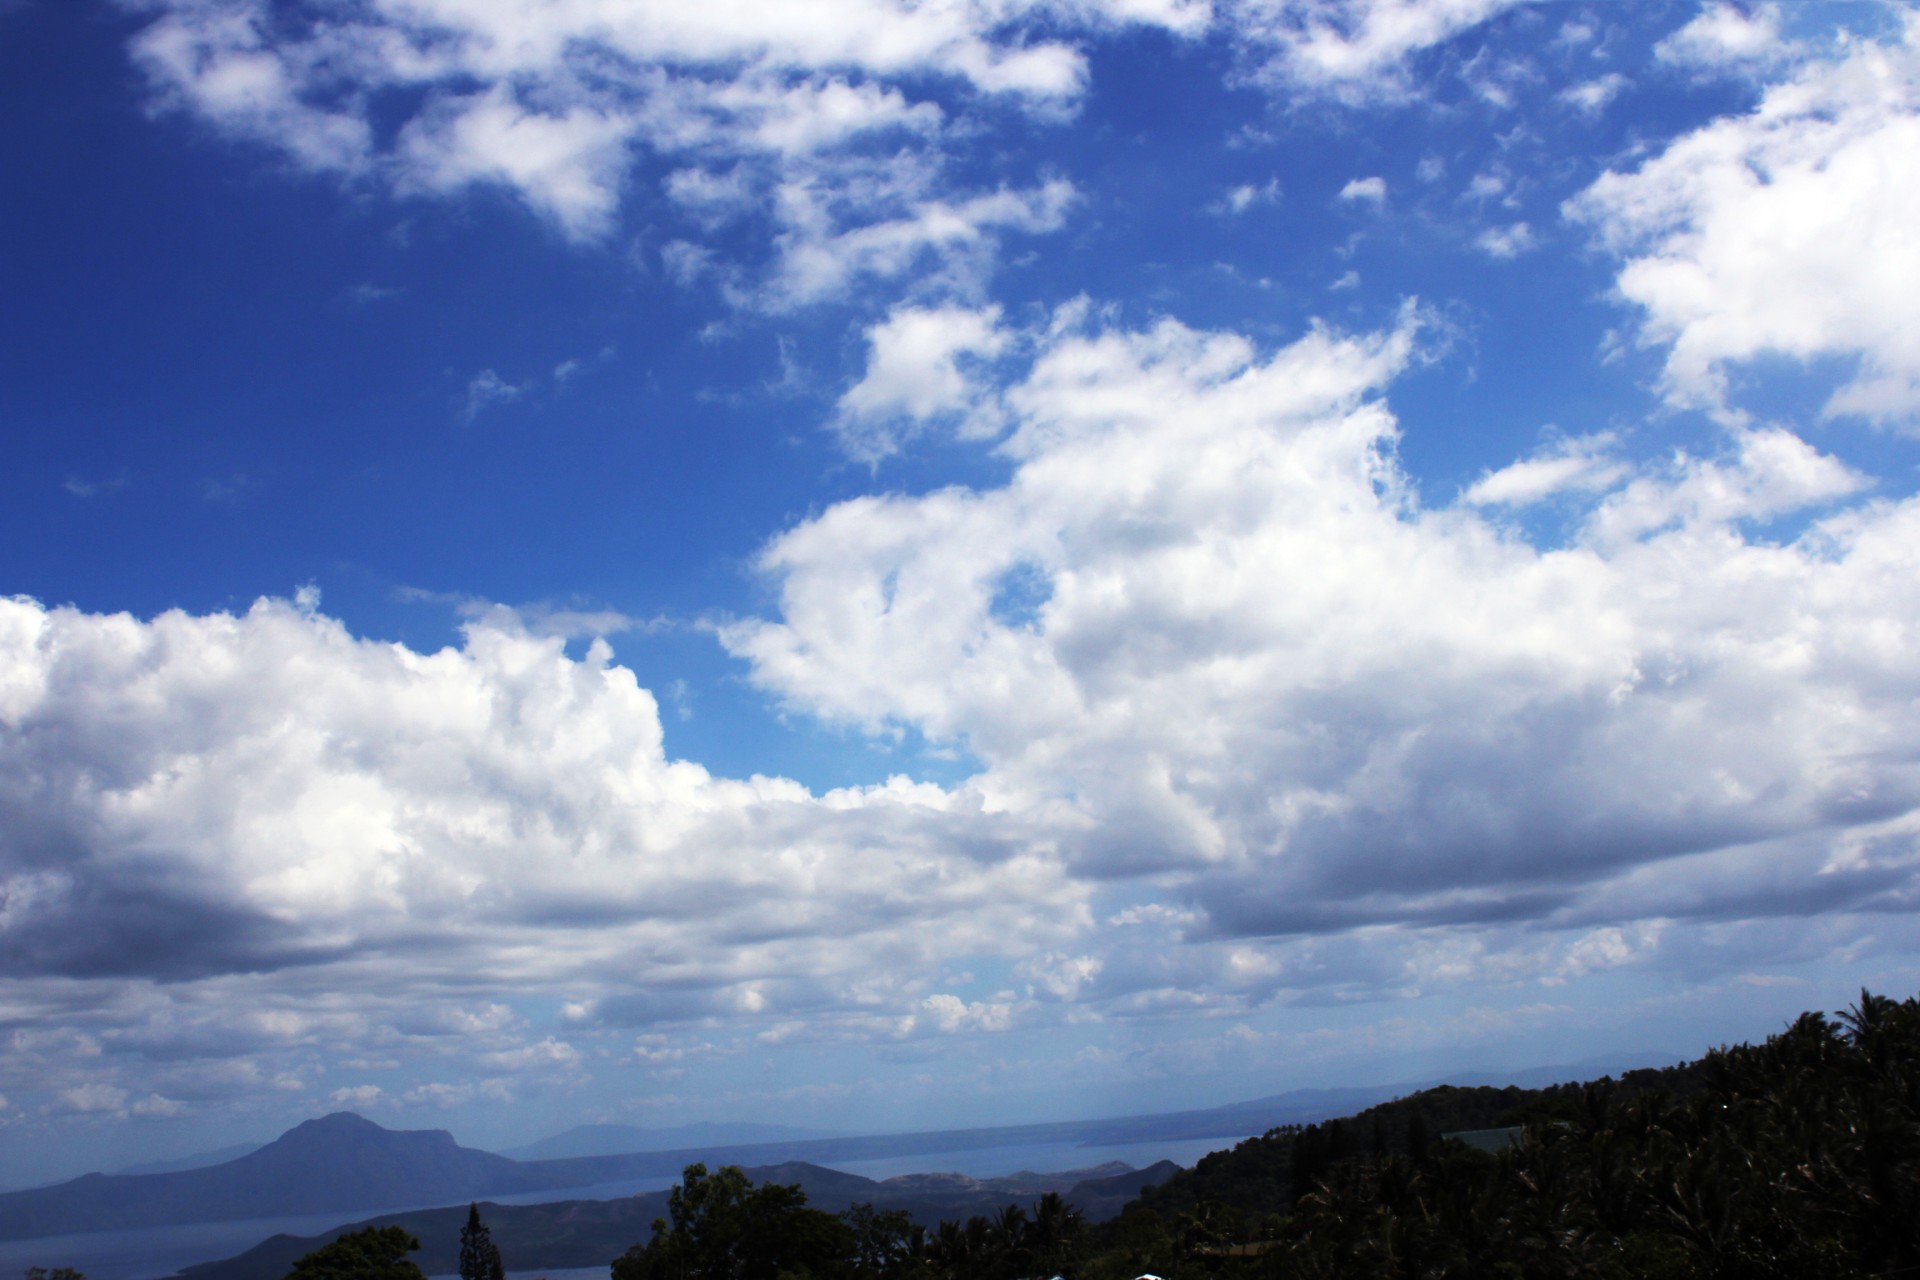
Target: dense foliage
724 1228
1798 1158
377 1253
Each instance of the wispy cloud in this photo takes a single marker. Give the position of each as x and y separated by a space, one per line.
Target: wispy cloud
488 390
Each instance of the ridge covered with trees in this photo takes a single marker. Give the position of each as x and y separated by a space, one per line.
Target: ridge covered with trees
1799 1157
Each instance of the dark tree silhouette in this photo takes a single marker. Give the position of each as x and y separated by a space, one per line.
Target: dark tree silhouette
479 1256
725 1228
376 1253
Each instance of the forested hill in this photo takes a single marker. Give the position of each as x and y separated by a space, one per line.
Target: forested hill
1798 1158
1266 1172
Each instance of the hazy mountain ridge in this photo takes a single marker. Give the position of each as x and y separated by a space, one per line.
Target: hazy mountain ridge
340 1161
198 1160
586 1233
347 1163
627 1139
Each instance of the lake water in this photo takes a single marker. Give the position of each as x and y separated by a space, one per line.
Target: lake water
161 1251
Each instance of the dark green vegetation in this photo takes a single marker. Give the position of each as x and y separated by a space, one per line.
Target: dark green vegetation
479 1255
1799 1158
377 1253
722 1225
725 1228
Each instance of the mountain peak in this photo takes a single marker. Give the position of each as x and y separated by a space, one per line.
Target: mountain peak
351 1125
341 1121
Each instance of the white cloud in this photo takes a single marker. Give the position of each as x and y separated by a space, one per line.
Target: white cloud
1059 976
684 261
1786 231
568 164
915 376
94 1097
442 1094
950 1013
1724 36
820 257
1506 242
82 488
759 111
1486 186
1244 659
1247 195
1770 473
555 103
487 390
549 1053
1372 190
1582 464
1593 96
229 802
1352 51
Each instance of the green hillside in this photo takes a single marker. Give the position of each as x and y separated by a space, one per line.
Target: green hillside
1798 1159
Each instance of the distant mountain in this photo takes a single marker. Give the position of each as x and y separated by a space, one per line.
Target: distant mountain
203 1160
344 1162
624 1139
337 1162
1237 1120
591 1233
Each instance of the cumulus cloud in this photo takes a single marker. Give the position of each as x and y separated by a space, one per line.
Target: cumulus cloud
1249 663
251 808
1786 231
1371 190
917 373
949 1013
1724 36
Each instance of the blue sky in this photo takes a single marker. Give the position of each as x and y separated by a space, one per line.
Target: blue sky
898 565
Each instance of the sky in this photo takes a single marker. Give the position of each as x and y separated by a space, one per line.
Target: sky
877 565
